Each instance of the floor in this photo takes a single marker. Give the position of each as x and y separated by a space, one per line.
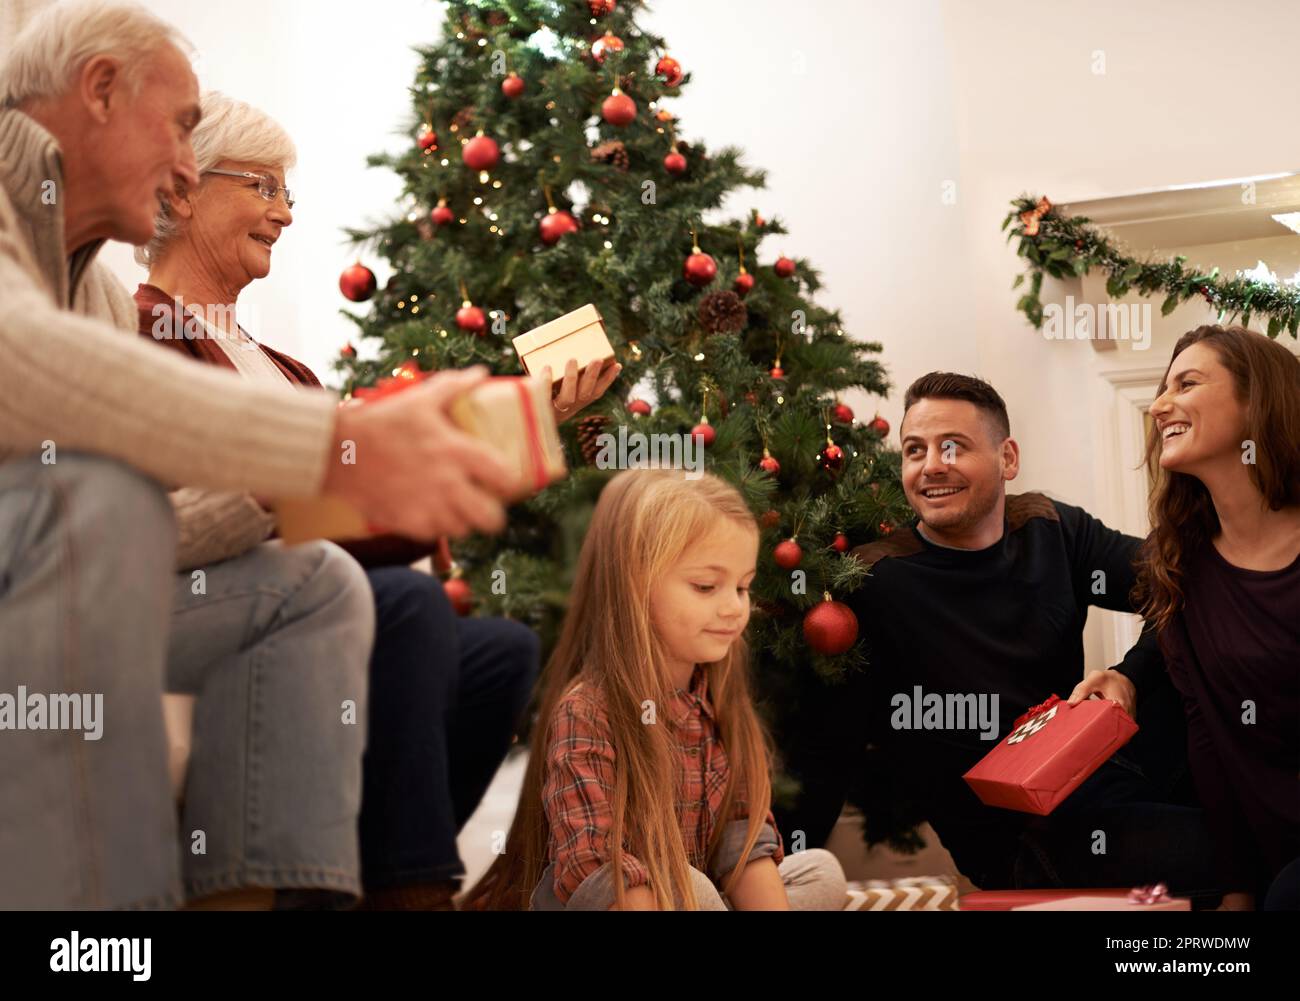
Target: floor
485 832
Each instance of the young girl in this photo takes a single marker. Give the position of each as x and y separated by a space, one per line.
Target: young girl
1221 579
649 762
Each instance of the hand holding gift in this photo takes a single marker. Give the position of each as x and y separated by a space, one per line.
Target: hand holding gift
574 341
465 443
1109 685
575 391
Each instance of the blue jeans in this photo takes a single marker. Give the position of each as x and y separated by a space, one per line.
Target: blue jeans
272 644
446 694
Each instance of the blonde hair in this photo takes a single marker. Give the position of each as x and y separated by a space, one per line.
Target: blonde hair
48 53
645 521
228 130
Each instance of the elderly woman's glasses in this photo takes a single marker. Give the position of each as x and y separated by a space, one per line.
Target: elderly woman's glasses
267 186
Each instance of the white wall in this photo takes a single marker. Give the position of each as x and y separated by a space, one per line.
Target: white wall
847 105
1191 92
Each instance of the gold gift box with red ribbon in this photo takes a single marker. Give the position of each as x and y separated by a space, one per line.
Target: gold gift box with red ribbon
511 415
579 334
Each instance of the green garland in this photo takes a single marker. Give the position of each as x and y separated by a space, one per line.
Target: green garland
1072 247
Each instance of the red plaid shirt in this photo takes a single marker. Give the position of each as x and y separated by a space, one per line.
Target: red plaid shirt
579 784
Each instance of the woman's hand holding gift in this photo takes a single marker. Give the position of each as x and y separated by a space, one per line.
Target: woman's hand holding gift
1109 685
577 391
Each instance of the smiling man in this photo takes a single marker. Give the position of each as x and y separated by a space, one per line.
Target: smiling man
987 593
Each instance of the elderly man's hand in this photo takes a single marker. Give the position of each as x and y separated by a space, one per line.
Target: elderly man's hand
1109 685
415 473
575 393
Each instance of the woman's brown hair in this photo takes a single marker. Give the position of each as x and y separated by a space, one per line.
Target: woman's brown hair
644 521
1266 379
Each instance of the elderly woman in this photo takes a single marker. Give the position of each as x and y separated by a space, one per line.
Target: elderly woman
445 692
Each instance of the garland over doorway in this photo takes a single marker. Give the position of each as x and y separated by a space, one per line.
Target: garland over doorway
1072 247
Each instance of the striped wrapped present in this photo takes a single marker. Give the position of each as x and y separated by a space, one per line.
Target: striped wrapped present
915 893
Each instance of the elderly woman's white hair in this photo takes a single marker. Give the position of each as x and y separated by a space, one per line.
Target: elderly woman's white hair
228 130
48 53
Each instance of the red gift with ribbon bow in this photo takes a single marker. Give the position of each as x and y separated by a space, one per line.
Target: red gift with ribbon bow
1051 749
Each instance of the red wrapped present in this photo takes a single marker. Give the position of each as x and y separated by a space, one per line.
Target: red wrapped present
1141 898
1051 749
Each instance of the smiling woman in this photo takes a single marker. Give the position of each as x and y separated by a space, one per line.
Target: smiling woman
236 147
1220 576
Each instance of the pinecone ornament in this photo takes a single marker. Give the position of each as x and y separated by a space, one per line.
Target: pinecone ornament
612 152
589 429
723 313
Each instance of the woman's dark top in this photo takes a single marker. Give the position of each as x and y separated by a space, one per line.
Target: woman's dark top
1233 651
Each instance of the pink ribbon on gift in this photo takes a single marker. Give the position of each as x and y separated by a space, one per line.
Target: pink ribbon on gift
1156 894
1042 707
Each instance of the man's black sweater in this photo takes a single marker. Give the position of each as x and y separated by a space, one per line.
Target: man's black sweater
1005 621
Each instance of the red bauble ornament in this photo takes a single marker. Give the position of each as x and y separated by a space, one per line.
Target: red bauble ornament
459 594
842 413
700 268
744 284
784 267
704 433
670 70
830 628
348 351
357 282
472 319
556 224
770 519
441 215
840 543
675 164
604 45
638 407
831 458
777 372
512 86
885 528
618 109
787 554
481 153
599 8
879 425
428 140
768 464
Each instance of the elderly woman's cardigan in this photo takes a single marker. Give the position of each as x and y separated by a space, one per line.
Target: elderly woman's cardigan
214 526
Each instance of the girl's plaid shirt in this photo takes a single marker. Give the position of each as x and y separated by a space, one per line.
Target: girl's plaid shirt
579 786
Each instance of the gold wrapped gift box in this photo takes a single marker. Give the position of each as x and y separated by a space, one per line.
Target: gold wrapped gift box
579 335
512 416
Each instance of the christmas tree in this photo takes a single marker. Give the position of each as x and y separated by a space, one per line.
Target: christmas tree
544 171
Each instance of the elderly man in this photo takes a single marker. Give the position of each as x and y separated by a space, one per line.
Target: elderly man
97 102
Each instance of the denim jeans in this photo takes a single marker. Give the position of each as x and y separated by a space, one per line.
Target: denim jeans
275 649
446 694
271 644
